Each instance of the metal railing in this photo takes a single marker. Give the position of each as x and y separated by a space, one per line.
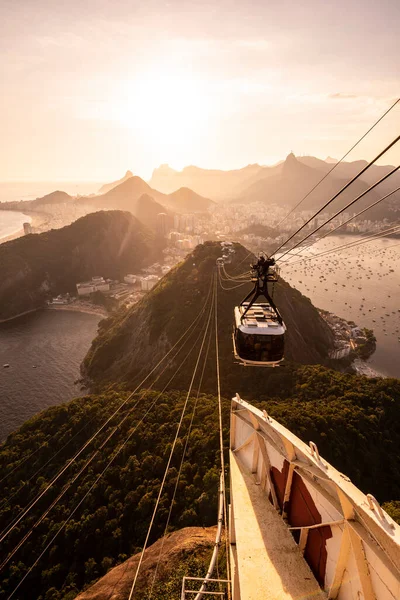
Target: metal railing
220 593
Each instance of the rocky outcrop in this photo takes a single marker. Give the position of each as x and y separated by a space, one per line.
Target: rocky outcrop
175 548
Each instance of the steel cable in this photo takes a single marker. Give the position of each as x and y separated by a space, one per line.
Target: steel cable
181 465
28 508
107 466
396 139
338 163
392 230
373 186
342 224
169 458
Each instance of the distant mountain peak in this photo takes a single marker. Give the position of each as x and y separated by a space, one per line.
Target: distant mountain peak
186 200
292 164
57 197
329 159
109 186
184 188
164 169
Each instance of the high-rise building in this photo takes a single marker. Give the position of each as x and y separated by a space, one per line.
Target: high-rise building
27 228
162 225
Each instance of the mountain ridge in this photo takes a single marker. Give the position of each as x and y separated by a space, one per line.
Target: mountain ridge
212 183
124 195
236 184
57 197
295 179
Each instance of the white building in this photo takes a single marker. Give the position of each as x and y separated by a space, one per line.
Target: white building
149 282
187 244
85 288
61 299
102 286
97 284
131 279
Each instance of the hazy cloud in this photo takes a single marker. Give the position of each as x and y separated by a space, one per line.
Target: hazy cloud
341 96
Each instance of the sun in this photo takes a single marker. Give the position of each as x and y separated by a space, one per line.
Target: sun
167 108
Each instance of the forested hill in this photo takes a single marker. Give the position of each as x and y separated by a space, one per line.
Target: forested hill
134 340
353 420
38 266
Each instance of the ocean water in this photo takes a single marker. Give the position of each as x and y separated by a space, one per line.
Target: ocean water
44 351
29 190
11 222
361 284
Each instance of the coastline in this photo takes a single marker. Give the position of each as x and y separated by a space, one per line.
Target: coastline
363 368
36 219
12 236
100 312
348 347
26 312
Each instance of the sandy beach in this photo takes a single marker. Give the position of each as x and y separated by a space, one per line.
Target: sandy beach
38 220
79 308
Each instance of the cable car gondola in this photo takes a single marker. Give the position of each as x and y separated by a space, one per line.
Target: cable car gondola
258 338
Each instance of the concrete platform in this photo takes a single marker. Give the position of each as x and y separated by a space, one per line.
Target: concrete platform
266 561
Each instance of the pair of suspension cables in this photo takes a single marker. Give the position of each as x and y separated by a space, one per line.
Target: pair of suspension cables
347 185
222 510
209 305
166 361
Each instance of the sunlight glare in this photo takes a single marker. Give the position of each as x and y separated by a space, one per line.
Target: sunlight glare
167 109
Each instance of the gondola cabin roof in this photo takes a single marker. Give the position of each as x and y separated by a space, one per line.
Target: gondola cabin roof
260 319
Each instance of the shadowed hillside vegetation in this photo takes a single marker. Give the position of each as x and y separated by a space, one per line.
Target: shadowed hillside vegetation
137 338
39 266
353 420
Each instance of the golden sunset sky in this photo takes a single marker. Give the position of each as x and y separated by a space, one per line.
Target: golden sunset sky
90 89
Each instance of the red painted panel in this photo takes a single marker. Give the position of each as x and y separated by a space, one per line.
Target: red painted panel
315 552
302 511
279 479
